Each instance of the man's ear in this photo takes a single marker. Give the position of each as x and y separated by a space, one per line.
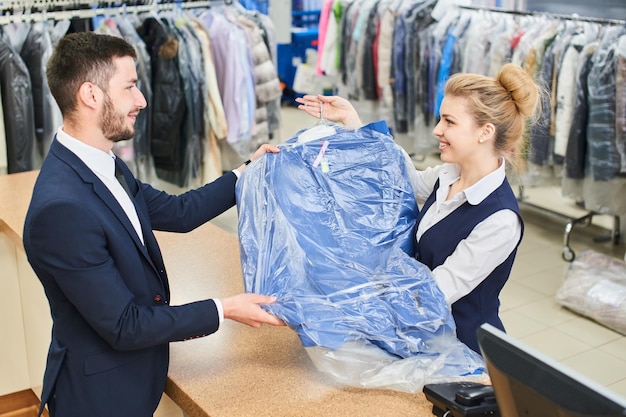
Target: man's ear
89 94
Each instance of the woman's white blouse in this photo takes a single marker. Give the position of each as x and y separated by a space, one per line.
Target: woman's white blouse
487 246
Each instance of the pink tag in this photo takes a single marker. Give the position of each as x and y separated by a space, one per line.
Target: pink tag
321 154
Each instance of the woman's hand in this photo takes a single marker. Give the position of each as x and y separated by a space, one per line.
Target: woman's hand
332 108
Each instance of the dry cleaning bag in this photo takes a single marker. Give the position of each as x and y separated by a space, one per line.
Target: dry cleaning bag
595 287
327 226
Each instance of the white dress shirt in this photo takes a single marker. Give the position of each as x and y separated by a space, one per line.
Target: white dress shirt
103 165
487 246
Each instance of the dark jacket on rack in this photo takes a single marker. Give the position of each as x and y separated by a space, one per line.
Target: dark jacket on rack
168 103
540 132
191 126
17 105
419 18
397 67
368 65
34 53
603 156
575 156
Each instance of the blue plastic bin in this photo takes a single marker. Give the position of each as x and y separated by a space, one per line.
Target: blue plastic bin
300 42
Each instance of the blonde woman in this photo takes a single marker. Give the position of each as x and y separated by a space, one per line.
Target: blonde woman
469 226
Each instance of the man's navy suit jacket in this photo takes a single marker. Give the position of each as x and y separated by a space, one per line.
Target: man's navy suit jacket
108 293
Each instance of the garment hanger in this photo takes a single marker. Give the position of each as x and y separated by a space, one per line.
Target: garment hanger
321 130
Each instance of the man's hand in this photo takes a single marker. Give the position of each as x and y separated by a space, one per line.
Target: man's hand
245 309
263 149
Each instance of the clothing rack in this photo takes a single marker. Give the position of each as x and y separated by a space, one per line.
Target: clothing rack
42 10
198 122
584 220
554 15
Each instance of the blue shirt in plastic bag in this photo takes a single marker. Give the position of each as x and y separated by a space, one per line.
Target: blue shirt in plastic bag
327 226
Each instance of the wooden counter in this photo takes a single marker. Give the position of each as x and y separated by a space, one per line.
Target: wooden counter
238 371
15 193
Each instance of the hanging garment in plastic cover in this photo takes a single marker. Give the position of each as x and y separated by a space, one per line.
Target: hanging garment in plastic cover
327 227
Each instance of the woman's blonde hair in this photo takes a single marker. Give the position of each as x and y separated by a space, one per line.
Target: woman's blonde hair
507 101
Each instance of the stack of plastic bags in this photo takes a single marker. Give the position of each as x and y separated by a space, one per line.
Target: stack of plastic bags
595 287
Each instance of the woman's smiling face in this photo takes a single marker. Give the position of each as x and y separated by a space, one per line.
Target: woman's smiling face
457 132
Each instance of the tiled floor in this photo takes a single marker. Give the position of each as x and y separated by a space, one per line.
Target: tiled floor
529 310
532 315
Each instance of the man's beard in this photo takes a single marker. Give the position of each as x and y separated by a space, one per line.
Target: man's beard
113 125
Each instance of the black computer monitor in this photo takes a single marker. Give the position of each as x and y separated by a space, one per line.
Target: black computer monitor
528 383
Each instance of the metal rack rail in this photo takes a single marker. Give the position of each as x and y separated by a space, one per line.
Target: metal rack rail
584 220
40 10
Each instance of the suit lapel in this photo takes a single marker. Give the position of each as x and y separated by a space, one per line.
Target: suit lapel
100 190
150 241
150 248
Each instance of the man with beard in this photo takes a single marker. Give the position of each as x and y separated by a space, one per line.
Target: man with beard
88 236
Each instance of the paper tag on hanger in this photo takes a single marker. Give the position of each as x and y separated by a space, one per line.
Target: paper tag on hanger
325 168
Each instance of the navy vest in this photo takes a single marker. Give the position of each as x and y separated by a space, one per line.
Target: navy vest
437 243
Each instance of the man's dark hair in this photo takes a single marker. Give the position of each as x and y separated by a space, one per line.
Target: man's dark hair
83 57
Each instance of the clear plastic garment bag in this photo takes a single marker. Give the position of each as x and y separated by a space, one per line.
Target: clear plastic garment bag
327 225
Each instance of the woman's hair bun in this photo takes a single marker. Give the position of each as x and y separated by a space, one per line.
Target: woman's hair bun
520 87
